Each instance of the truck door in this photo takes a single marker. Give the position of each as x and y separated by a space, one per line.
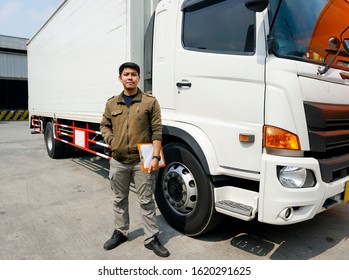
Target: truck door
219 75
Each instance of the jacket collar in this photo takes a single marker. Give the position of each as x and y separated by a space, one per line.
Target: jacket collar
137 98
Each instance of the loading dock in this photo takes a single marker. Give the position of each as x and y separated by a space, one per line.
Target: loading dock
13 78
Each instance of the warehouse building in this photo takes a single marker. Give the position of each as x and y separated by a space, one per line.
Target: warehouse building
13 78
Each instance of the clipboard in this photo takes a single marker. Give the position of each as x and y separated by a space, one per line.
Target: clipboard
146 152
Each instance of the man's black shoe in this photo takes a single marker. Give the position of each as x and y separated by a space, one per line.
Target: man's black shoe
116 239
157 247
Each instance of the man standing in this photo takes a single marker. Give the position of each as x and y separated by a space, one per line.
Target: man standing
131 118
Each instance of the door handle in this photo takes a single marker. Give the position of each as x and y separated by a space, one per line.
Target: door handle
184 84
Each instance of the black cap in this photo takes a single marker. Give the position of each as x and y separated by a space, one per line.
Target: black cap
129 65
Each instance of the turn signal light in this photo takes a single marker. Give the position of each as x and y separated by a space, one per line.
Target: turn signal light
278 138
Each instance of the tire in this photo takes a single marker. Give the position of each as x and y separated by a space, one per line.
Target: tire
184 192
55 148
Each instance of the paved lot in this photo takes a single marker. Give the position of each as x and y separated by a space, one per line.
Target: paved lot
61 210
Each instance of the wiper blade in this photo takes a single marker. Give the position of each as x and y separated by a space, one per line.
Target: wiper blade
323 69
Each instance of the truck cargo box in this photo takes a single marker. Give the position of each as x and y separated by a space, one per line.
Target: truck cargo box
73 59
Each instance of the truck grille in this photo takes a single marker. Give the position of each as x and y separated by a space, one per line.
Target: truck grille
328 129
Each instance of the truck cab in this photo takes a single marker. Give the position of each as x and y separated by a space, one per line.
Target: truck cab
253 125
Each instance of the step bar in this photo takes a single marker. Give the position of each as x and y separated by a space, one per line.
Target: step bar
236 202
235 207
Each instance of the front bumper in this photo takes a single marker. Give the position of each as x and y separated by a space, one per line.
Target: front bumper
280 205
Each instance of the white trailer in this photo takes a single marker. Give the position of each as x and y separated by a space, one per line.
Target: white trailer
254 98
74 56
73 67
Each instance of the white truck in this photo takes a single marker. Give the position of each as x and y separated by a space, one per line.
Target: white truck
254 97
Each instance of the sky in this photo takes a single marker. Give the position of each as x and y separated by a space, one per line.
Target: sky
23 18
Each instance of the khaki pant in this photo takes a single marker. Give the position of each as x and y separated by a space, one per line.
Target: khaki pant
121 175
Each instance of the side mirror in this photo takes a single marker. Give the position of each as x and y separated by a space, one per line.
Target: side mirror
256 5
346 44
334 44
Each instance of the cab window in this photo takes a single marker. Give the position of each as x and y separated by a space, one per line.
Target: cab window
219 27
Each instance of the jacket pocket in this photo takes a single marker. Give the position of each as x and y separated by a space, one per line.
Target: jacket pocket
116 113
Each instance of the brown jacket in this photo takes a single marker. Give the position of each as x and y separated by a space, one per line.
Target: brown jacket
123 127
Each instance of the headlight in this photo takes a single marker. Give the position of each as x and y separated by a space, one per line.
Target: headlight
296 177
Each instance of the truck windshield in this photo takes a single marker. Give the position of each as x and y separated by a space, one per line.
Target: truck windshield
302 29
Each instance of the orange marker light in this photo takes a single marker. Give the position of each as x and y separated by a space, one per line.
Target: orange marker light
249 138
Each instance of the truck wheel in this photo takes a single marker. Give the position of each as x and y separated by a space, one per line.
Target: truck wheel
184 193
55 148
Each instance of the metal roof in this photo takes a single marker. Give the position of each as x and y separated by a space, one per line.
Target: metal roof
13 43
